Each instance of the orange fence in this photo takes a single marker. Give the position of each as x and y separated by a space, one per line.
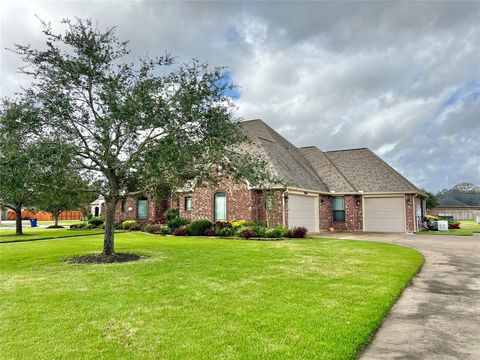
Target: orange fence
45 216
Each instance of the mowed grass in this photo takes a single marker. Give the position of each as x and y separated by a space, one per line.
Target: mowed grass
467 228
30 234
198 298
26 223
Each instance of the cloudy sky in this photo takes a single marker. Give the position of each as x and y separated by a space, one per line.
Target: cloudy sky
400 78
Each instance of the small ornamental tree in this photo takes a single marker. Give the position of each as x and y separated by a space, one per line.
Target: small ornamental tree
63 193
26 164
133 128
431 200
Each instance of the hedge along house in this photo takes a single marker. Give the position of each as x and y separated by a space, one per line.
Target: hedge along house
351 190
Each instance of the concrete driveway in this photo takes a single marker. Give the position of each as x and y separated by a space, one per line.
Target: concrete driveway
438 315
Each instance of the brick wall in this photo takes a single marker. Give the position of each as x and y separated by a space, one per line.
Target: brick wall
156 208
353 214
326 212
242 203
410 212
278 214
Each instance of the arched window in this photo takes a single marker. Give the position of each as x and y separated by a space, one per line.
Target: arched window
220 206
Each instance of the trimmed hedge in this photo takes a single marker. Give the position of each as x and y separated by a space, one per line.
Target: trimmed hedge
198 227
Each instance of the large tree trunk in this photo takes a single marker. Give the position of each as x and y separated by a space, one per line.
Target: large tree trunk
108 240
18 221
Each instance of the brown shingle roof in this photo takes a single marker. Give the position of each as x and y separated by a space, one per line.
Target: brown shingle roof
369 173
286 160
342 171
326 170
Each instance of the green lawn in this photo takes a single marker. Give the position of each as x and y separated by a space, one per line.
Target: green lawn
30 234
467 228
198 298
26 223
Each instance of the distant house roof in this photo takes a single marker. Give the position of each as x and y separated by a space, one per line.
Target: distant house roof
350 170
100 200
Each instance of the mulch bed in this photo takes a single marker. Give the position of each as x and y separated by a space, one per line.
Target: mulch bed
55 227
104 259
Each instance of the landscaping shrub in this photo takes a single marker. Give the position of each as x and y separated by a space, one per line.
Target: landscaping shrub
170 214
222 224
431 218
176 223
135 227
225 231
181 231
153 229
288 233
88 227
96 221
209 232
299 232
198 227
77 226
453 225
260 230
247 233
127 224
165 230
274 233
239 223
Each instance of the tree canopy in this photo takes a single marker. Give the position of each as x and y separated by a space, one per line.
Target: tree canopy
133 128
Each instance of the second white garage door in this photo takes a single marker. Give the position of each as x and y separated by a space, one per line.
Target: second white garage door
386 214
303 211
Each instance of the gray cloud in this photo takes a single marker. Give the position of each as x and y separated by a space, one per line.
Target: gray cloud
401 78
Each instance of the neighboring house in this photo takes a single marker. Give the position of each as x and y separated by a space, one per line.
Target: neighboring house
458 212
96 206
350 190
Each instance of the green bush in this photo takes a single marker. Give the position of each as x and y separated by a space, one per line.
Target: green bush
165 230
225 231
153 229
288 233
77 226
198 227
171 214
259 230
135 227
274 233
88 227
96 221
127 224
176 223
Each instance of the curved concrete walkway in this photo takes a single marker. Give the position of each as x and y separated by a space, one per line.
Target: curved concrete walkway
438 315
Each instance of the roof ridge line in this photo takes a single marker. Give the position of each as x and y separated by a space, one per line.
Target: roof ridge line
360 148
385 165
341 173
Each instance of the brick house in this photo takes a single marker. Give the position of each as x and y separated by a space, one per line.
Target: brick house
351 190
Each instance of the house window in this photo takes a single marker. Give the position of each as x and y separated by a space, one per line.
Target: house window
220 206
338 208
188 203
142 209
269 202
124 205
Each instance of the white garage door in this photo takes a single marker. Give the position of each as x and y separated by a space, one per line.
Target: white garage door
303 211
385 214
